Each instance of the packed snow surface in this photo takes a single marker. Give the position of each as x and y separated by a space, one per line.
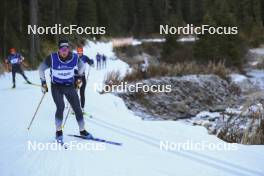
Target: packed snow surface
259 51
254 78
140 153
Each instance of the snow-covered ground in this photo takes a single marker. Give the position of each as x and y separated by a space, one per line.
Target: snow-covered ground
253 79
159 40
140 153
259 51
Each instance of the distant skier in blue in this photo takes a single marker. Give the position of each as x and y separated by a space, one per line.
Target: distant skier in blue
104 61
98 61
15 59
85 59
63 65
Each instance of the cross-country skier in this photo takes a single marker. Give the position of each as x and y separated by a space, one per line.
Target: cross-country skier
15 59
104 61
63 65
85 59
98 61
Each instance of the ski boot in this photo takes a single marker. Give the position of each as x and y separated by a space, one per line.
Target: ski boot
83 112
14 86
59 136
29 82
86 134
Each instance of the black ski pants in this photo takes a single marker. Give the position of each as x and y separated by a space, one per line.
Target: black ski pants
58 93
17 69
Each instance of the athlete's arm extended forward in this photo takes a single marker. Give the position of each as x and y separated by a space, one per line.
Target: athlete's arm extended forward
43 66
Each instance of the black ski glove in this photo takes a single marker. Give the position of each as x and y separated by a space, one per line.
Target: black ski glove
44 87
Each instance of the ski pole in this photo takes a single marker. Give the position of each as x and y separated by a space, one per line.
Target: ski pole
67 115
67 105
36 111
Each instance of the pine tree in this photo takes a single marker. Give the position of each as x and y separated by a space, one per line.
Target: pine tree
197 12
262 11
116 17
169 48
144 17
160 12
67 12
131 20
136 18
228 48
86 14
175 12
102 13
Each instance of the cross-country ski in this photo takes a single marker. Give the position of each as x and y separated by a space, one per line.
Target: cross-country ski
96 139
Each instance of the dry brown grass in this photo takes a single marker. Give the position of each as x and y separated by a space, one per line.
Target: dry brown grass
179 69
113 78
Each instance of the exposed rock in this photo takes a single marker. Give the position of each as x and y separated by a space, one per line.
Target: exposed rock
206 100
189 96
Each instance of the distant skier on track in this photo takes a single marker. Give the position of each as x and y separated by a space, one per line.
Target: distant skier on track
98 61
85 59
104 61
63 65
15 59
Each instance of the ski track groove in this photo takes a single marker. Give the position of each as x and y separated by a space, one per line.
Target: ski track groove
200 158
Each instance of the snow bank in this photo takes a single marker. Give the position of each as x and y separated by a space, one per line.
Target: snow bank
258 51
242 125
254 81
238 78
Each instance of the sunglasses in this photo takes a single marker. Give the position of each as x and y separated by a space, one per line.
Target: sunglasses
64 50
